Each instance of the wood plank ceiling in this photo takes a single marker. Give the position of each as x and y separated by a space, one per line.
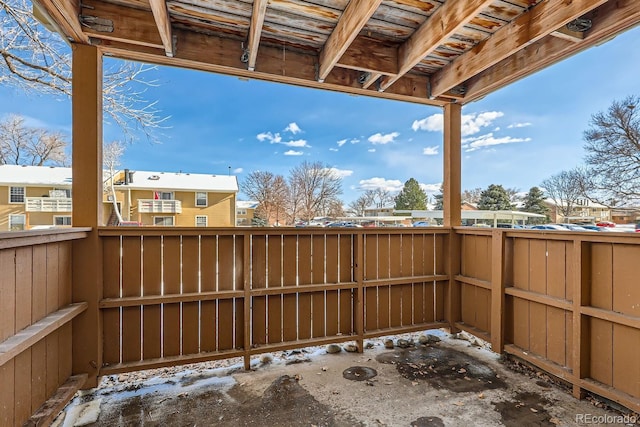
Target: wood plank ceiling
426 51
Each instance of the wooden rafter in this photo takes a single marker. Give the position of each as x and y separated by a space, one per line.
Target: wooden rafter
608 20
444 22
161 16
65 14
528 28
353 19
257 21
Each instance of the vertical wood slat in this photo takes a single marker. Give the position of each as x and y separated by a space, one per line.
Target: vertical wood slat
318 320
7 329
497 290
226 265
581 297
246 268
305 261
111 289
190 284
171 312
208 309
359 305
131 287
453 296
259 281
152 285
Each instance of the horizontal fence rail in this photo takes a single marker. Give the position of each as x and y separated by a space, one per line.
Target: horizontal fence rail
175 295
35 319
567 302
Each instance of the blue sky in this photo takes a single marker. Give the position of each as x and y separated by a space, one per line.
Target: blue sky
516 137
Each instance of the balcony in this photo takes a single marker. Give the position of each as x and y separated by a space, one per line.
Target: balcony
159 206
48 204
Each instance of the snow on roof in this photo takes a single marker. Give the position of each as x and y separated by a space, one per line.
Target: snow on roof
183 181
585 203
246 204
46 176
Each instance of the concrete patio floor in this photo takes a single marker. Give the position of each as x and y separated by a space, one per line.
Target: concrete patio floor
446 383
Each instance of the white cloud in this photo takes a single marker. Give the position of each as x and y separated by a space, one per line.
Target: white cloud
293 128
431 189
497 129
488 140
371 150
431 151
296 143
391 185
268 136
341 142
333 149
433 123
379 138
519 125
342 173
293 153
238 170
471 123
354 140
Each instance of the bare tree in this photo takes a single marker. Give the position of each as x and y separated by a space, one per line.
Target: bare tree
358 206
112 153
34 59
313 186
379 197
472 196
612 143
564 189
271 192
24 145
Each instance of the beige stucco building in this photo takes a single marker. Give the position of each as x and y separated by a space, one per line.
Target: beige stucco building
40 196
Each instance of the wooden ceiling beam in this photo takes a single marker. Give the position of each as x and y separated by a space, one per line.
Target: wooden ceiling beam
65 14
531 26
161 16
223 55
369 55
255 30
352 20
440 26
129 25
608 20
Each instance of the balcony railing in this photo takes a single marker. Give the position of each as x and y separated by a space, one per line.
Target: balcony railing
159 206
48 204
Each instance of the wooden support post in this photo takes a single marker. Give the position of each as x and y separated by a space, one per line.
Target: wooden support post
246 274
452 165
359 308
452 205
581 297
87 208
497 290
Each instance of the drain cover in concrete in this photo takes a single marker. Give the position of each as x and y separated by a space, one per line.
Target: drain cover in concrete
359 373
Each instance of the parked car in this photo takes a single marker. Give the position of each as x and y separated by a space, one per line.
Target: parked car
505 225
347 224
606 224
593 227
421 224
548 227
573 227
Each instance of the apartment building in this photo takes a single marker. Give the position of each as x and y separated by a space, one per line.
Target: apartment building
584 210
33 196
40 196
245 211
172 199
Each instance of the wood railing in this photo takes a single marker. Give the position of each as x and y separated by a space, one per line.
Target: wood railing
176 295
566 302
35 320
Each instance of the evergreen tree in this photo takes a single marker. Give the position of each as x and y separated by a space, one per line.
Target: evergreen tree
534 203
495 198
412 196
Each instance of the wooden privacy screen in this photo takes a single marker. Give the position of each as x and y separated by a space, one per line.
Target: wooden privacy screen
570 304
186 295
35 320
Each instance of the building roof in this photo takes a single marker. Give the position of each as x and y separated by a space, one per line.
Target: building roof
587 204
45 176
246 204
183 181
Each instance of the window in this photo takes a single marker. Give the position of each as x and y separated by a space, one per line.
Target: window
60 193
62 220
241 211
201 220
17 222
163 195
201 198
16 195
163 220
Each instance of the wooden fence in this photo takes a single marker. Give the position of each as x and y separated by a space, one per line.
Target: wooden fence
186 295
567 302
35 322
